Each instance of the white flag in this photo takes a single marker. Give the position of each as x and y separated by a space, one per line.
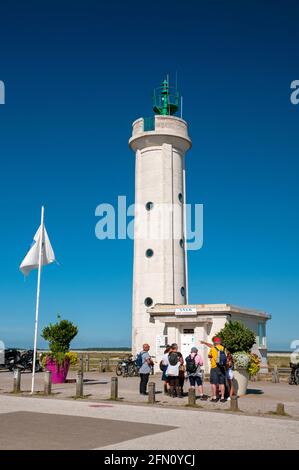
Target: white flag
31 259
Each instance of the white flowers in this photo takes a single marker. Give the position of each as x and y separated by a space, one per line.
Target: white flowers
241 360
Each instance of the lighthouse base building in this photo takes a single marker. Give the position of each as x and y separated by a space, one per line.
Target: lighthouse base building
187 325
161 313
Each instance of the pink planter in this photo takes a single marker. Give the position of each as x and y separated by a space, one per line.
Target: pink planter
59 371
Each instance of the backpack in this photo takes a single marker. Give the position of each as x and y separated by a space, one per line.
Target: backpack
161 365
139 360
221 358
173 358
191 367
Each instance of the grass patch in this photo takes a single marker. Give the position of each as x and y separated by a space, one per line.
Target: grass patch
83 397
193 406
274 413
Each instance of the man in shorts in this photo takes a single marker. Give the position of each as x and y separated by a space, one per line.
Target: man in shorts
217 373
194 362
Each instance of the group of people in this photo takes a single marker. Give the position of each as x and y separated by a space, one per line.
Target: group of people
176 369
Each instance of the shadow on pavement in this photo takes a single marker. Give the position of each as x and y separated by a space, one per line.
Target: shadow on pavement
254 391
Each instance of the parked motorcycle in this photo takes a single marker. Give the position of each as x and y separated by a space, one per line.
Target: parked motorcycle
294 375
10 358
127 367
15 359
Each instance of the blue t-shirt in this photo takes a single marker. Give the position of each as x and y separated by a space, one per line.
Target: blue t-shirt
145 368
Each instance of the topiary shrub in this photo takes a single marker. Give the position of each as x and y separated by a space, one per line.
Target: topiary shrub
59 335
237 337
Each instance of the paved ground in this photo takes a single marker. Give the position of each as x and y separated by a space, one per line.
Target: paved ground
262 397
32 430
38 423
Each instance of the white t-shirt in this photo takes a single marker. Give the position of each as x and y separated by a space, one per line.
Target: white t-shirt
165 359
173 370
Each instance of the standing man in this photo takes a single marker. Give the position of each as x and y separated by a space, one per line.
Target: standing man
217 357
194 362
146 363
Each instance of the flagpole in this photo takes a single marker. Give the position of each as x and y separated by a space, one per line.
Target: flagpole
37 297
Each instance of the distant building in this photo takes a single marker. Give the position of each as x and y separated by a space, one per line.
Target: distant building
161 313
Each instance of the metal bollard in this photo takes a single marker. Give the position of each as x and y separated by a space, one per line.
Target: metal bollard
191 397
234 403
114 388
48 383
79 385
17 380
152 392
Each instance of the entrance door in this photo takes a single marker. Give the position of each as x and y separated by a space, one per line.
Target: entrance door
187 341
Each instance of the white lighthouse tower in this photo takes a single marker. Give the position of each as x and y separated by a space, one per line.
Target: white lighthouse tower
160 258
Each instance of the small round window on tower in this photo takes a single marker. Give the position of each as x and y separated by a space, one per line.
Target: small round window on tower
149 206
183 291
148 302
149 253
180 197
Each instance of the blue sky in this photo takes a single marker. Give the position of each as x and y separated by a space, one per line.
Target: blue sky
77 74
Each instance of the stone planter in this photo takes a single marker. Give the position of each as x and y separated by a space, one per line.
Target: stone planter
59 371
240 381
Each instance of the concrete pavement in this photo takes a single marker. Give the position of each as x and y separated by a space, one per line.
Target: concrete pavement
262 397
178 429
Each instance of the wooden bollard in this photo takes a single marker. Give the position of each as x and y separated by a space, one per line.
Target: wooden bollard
100 366
81 363
275 375
191 397
48 383
234 403
114 388
79 385
107 365
152 392
280 409
87 363
17 380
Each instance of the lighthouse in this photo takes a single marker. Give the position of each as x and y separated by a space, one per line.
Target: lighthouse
161 312
160 143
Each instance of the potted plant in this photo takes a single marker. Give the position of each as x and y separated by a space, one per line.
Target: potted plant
254 365
59 358
238 339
